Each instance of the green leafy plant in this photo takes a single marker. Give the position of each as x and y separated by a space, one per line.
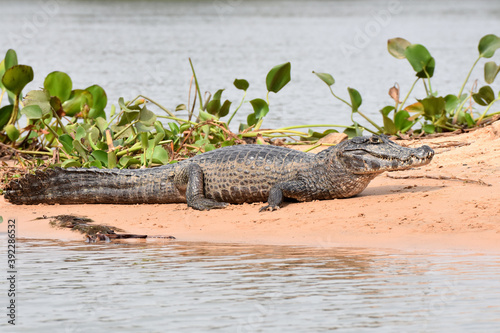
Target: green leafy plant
432 112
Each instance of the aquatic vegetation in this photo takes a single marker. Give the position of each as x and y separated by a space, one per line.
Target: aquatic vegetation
71 125
433 113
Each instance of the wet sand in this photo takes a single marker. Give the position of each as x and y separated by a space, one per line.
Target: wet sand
451 204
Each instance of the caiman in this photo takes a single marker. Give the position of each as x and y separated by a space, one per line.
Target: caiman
236 174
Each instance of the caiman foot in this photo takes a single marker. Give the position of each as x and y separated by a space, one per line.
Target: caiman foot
269 208
206 204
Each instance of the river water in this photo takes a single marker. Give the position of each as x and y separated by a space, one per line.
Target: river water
203 287
142 47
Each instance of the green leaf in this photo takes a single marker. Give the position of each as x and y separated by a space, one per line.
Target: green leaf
17 77
67 143
401 121
389 127
386 110
278 77
76 102
420 59
218 94
355 99
224 109
213 106
325 77
125 108
5 113
100 155
101 124
490 71
181 107
241 84
488 45
160 155
12 132
71 163
251 120
146 117
451 102
58 84
80 132
484 96
40 98
397 47
32 112
10 59
80 149
100 100
260 107
204 116
433 106
429 128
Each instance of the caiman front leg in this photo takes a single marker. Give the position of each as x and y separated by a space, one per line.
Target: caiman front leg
190 179
295 189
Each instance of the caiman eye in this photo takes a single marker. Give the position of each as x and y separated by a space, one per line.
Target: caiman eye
375 139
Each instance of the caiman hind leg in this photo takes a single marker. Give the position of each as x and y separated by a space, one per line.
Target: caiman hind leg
295 189
190 179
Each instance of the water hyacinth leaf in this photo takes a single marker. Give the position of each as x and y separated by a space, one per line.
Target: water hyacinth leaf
160 155
67 143
491 70
80 133
356 99
386 110
58 84
147 117
184 127
415 107
204 116
101 124
10 59
484 96
174 128
224 109
12 132
142 128
401 121
260 107
325 77
389 127
433 106
213 106
80 149
32 111
241 84
218 94
127 161
125 108
278 77
420 59
71 163
40 98
251 120
181 107
397 47
100 100
451 102
488 45
17 77
5 113
77 101
429 128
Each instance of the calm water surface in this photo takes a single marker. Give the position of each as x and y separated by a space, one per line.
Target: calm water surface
198 287
132 47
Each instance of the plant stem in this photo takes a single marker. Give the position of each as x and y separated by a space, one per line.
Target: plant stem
339 98
196 83
467 78
239 106
59 121
487 109
408 94
371 122
178 120
117 135
155 103
13 116
307 126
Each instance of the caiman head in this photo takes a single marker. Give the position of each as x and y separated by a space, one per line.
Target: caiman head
376 154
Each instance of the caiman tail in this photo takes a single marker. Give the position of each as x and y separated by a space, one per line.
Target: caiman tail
79 186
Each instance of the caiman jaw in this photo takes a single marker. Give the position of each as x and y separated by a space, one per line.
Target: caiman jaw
361 161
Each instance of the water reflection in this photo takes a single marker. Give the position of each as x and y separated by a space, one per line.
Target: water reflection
199 287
